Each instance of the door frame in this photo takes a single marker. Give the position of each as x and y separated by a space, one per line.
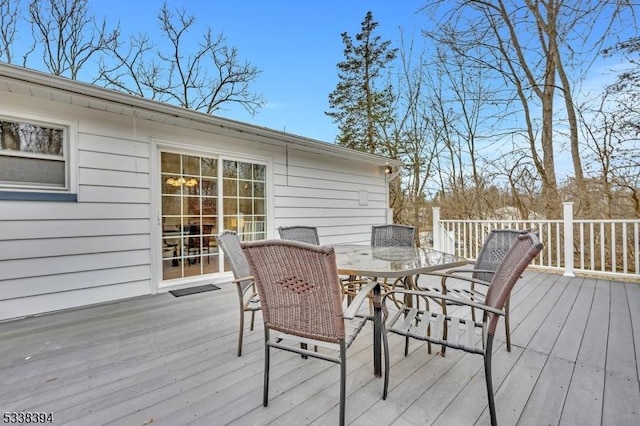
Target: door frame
158 145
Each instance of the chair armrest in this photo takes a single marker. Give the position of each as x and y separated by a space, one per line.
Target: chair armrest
445 276
453 274
457 299
354 306
239 280
457 271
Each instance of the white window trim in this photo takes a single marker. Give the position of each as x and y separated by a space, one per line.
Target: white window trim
69 152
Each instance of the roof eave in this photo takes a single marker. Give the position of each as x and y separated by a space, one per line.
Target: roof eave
133 102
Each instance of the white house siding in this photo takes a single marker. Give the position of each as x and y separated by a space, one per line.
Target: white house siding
60 255
325 192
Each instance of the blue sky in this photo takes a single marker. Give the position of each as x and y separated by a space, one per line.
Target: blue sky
295 43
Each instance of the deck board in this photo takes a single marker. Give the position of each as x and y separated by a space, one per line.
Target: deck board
471 403
514 391
171 361
633 296
621 400
452 375
621 357
547 334
568 343
593 348
583 404
538 307
546 402
621 391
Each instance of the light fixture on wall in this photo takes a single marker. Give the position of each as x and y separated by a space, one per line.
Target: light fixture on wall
389 174
181 181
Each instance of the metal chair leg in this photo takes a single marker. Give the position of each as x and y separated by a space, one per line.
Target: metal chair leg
506 324
265 389
240 334
487 375
241 331
406 345
445 332
343 380
385 346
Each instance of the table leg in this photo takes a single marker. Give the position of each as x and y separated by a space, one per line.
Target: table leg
409 284
377 331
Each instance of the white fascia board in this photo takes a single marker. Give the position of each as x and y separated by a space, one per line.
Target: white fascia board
131 104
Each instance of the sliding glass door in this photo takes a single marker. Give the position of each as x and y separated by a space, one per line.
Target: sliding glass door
200 196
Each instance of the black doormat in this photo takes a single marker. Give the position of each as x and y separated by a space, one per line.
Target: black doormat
194 290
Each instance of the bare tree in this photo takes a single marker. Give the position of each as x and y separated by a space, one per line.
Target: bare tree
205 78
469 97
528 46
8 26
128 69
611 130
625 91
462 124
409 138
66 35
522 183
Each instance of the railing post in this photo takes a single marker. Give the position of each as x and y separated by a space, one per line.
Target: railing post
567 215
436 228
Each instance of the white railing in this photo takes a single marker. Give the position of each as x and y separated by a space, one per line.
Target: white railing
609 247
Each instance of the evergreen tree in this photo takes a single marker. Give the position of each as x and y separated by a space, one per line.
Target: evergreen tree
360 109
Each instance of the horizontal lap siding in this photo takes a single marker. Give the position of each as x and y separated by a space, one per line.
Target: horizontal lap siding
51 302
56 247
316 190
58 255
62 255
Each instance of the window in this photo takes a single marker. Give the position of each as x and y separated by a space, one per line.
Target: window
244 199
33 155
200 197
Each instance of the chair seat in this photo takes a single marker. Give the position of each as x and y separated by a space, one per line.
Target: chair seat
434 327
493 251
253 304
328 351
464 293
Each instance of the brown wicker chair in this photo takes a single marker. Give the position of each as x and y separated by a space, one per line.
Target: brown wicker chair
309 235
301 300
393 236
303 234
455 332
494 249
247 296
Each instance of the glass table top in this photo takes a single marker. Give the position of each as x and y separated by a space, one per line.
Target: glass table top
392 262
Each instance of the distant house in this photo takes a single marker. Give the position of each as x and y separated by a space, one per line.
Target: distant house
105 196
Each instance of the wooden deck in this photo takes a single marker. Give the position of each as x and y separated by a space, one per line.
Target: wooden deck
163 360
